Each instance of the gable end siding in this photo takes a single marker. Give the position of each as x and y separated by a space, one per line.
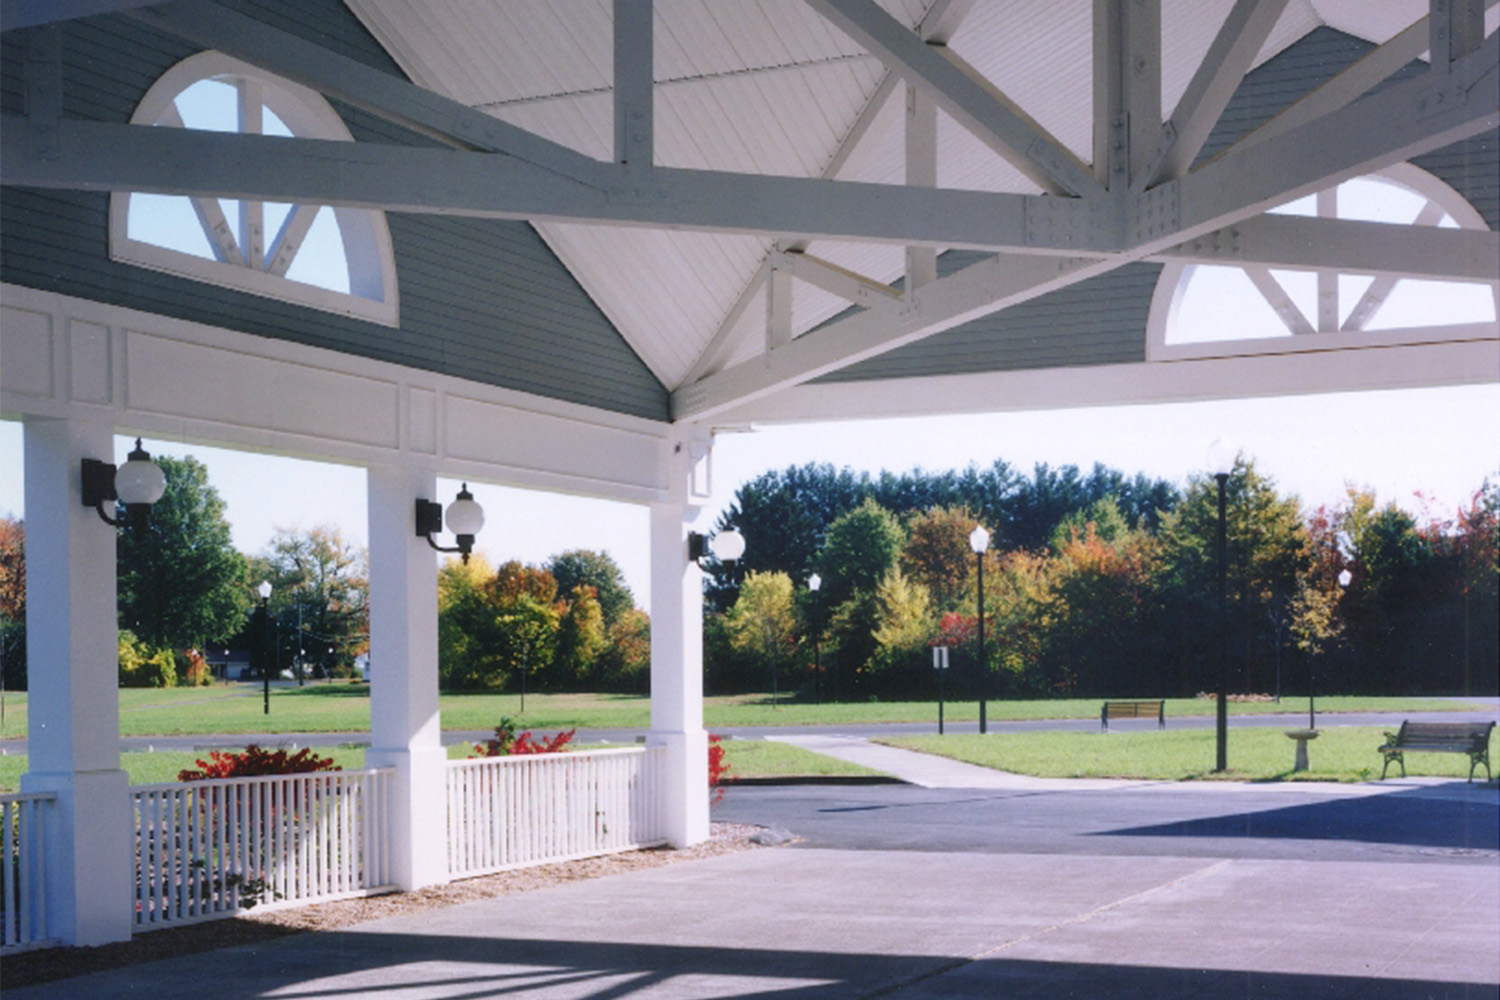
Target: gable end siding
481 299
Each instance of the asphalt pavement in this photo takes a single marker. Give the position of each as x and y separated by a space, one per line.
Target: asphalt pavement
1035 889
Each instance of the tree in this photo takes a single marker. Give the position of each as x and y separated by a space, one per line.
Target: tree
320 596
1267 549
861 545
937 554
625 664
181 581
763 622
581 638
586 568
12 605
903 631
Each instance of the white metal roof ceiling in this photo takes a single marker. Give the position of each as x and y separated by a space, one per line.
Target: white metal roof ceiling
768 86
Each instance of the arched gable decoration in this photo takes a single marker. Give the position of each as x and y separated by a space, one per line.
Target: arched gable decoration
335 259
1300 310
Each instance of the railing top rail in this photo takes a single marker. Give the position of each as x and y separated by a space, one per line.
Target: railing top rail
168 786
8 797
629 751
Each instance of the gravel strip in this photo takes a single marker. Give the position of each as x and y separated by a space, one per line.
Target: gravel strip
255 926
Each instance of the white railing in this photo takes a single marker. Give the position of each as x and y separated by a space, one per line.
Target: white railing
23 878
207 849
506 812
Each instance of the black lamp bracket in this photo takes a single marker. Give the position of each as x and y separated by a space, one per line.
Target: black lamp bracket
430 522
99 488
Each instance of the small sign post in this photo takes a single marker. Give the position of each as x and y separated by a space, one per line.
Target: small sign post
940 664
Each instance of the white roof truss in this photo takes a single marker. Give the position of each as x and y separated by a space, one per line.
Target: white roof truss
1086 222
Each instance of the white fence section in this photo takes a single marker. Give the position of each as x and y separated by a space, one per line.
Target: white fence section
207 849
506 812
23 884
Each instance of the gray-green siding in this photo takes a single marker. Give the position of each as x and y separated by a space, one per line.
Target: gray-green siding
480 299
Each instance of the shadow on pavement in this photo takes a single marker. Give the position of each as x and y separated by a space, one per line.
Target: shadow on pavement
334 965
1415 818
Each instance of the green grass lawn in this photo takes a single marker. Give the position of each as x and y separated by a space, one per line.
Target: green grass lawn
1258 754
344 707
768 759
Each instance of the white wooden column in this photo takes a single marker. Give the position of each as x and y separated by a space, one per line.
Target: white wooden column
72 665
677 649
404 725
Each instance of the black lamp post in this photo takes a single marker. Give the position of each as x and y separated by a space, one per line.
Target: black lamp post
814 583
1221 461
265 657
979 541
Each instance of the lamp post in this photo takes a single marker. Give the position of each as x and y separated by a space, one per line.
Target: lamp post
1221 464
814 584
979 541
265 660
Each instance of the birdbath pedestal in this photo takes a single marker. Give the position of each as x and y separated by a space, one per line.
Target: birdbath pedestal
1301 736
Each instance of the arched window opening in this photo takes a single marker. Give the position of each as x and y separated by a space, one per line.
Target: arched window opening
337 259
1199 305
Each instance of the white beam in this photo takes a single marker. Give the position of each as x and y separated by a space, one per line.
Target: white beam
722 343
1307 372
1374 297
921 171
288 239
1127 88
252 210
1345 88
1455 29
1403 121
965 95
982 288
1295 242
1327 201
99 156
1223 68
635 80
778 304
846 284
360 85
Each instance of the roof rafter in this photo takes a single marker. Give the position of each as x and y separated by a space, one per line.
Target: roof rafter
965 95
1225 64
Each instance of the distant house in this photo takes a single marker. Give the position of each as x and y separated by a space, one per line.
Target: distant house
229 664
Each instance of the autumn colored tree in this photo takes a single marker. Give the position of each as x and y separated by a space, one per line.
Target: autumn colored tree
625 664
587 568
320 594
763 621
581 639
904 626
937 554
12 605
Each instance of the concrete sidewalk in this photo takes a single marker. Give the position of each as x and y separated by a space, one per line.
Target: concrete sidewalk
931 771
800 923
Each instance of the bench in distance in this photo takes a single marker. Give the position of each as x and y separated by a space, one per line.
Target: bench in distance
1472 738
1134 710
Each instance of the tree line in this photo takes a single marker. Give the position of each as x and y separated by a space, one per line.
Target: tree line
1097 585
185 594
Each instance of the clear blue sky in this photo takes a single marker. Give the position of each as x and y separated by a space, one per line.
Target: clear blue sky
1443 442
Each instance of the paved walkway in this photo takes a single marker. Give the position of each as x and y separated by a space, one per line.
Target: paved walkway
931 771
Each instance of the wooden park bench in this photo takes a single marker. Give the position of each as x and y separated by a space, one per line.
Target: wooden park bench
1472 738
1134 710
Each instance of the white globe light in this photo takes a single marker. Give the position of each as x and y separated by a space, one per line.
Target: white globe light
265 593
979 539
814 582
728 545
465 517
1221 456
1345 578
139 480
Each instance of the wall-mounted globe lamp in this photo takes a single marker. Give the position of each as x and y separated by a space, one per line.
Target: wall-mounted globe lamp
137 484
465 518
727 546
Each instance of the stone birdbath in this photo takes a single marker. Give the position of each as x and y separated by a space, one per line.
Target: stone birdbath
1301 736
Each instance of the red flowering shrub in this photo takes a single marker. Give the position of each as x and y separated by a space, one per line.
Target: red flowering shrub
254 762
717 769
506 743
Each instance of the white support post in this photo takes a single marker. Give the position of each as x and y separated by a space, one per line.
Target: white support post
1127 88
677 650
921 171
1327 202
778 307
404 725
72 663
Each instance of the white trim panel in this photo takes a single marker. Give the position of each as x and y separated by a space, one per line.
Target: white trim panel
175 380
